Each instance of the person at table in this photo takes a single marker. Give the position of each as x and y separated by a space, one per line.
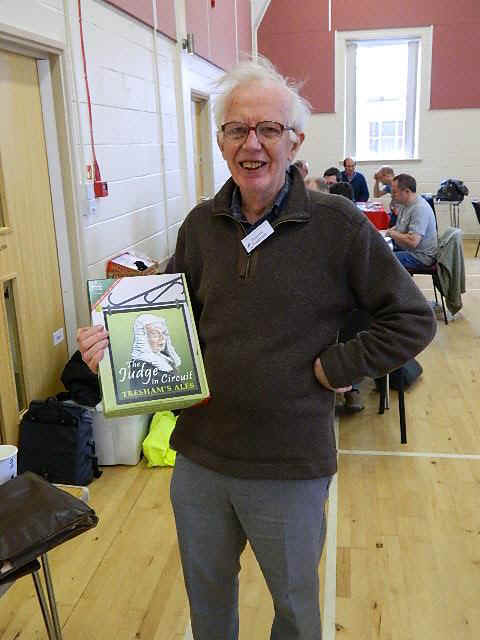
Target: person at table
414 234
254 464
383 181
331 175
344 189
383 186
356 179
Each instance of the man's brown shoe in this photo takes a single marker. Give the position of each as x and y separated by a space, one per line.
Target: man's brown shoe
353 401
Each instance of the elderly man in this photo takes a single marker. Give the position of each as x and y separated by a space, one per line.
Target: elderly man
273 270
415 232
356 179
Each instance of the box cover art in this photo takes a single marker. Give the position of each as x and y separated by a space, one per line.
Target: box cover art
153 361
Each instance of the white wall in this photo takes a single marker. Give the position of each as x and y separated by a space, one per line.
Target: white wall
140 90
449 146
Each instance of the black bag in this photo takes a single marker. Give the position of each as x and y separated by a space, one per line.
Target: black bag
410 372
452 189
56 442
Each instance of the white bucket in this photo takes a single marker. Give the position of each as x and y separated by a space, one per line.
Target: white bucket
8 462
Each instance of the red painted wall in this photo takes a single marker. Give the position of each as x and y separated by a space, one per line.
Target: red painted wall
214 29
198 23
244 29
143 11
219 33
294 35
166 18
140 9
223 49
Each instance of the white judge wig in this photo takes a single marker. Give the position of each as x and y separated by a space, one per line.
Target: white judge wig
168 359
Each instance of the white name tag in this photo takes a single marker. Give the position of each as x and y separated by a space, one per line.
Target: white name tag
257 236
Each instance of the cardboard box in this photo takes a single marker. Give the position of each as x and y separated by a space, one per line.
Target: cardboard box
153 361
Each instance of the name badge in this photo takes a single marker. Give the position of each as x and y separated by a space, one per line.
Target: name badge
257 236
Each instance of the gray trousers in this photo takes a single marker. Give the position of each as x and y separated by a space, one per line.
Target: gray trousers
284 522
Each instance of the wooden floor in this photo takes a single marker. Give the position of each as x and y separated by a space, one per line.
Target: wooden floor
404 525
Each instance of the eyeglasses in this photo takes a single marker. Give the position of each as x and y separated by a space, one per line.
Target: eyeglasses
265 131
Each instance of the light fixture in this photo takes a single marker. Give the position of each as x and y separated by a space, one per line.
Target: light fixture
188 43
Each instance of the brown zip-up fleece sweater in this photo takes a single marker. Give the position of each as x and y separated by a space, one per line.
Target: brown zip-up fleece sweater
263 319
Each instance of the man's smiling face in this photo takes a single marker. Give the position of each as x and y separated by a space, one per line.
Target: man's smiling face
258 168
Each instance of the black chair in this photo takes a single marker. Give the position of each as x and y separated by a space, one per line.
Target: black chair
383 384
432 269
359 320
429 198
476 206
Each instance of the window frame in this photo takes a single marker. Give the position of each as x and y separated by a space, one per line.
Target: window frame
345 82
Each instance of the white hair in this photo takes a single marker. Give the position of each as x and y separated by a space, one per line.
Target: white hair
141 349
260 71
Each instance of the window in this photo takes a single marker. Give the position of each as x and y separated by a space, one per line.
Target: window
381 99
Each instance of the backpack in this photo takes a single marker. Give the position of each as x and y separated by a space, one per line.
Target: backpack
452 189
56 442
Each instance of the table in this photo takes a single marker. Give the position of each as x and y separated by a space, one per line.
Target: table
376 213
454 210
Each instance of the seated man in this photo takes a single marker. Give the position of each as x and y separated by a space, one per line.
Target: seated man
331 175
383 177
356 179
415 233
383 186
342 189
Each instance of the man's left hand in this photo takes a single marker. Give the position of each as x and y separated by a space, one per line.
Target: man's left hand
323 380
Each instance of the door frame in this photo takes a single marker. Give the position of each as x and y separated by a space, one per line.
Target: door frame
54 68
206 139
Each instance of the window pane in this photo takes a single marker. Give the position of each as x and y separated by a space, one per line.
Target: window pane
388 144
380 103
388 128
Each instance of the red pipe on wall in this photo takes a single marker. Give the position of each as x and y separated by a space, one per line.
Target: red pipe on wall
100 187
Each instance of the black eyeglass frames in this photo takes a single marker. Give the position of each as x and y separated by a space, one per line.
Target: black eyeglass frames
265 131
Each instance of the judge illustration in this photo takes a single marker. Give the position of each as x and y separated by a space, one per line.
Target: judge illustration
152 346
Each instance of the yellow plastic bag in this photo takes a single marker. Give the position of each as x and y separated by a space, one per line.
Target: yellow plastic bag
156 447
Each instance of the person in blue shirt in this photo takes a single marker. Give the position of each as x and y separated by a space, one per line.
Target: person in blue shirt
383 186
383 181
356 179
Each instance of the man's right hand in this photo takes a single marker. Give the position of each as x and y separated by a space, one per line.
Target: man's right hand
92 342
